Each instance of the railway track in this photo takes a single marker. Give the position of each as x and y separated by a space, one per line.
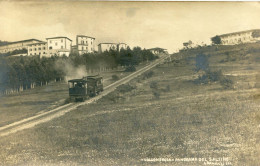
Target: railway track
61 110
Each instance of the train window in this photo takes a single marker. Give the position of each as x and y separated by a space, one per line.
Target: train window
71 85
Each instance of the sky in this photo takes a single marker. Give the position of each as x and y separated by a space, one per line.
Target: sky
145 24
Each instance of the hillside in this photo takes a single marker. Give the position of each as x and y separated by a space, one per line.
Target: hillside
164 114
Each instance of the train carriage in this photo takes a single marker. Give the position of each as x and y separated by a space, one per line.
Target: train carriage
81 89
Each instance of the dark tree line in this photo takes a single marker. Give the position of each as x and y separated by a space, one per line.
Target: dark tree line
25 72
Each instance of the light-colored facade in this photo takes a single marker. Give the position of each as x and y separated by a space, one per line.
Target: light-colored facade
59 46
157 50
106 47
111 46
121 46
239 37
40 48
18 45
84 44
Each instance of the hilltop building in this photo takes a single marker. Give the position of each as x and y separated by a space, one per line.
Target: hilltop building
121 46
84 44
249 36
59 45
111 46
157 50
18 45
40 48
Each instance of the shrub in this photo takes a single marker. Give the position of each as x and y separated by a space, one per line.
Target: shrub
227 83
125 88
130 69
148 74
154 85
210 76
156 94
115 77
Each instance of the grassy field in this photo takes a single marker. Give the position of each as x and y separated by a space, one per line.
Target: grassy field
40 99
163 114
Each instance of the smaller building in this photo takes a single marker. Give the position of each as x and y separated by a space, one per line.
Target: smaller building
121 46
158 50
59 45
111 46
40 48
102 47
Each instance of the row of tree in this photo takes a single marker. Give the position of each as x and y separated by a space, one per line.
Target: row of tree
25 72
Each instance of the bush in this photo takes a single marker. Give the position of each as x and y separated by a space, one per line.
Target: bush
115 77
227 83
125 88
148 74
154 85
130 69
210 76
156 94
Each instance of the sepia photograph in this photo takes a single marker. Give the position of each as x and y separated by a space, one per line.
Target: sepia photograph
129 83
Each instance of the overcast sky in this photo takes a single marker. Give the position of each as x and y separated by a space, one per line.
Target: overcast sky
145 24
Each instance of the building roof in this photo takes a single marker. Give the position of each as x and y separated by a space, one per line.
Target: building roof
58 37
157 48
85 36
227 34
122 43
42 42
21 41
106 43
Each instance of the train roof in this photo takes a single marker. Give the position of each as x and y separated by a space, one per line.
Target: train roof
84 79
78 80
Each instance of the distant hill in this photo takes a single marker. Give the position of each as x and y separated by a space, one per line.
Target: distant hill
3 42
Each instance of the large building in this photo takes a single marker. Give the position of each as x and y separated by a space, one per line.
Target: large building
59 46
40 48
84 44
248 36
111 46
18 45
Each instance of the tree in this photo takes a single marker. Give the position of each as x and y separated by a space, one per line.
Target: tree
256 34
216 40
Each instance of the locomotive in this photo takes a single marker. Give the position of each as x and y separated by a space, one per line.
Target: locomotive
81 89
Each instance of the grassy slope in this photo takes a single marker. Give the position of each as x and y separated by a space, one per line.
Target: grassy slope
184 120
40 99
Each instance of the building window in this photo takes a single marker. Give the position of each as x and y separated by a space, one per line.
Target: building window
35 49
50 48
82 48
56 44
61 40
61 47
34 53
30 53
50 41
39 48
82 42
43 48
30 49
